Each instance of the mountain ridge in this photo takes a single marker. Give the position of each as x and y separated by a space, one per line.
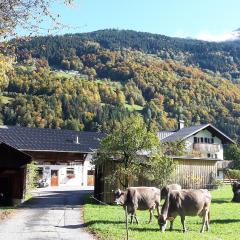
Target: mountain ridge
93 81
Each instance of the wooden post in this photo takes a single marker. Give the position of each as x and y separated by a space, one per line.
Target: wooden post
126 223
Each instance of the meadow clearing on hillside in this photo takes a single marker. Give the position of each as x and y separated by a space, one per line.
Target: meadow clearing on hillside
108 222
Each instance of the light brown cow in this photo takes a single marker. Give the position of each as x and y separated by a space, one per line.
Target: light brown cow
142 198
186 203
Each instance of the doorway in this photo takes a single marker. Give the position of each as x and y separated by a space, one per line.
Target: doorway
5 191
54 178
90 178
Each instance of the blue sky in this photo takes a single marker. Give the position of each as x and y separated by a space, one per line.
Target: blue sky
181 18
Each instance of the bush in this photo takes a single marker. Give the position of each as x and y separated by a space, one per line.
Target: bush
233 173
31 182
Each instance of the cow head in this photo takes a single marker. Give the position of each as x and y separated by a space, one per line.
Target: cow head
162 221
119 197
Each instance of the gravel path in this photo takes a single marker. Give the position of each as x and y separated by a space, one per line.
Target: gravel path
54 213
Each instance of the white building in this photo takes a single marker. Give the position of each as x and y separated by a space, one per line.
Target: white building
201 141
63 156
204 146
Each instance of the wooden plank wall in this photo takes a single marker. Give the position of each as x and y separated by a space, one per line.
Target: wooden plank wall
194 173
191 173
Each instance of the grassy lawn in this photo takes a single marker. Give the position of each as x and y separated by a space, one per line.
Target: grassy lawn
133 107
108 222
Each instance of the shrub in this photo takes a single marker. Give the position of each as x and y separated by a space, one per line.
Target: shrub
233 173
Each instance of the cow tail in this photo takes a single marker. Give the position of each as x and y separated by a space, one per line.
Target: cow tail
209 217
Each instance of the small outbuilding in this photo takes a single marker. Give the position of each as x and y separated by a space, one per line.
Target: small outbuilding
13 170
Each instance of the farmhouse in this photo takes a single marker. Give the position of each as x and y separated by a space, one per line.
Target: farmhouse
199 167
204 146
12 174
63 156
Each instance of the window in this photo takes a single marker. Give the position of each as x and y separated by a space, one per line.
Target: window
206 140
212 140
195 139
208 155
70 173
90 172
40 172
216 156
201 139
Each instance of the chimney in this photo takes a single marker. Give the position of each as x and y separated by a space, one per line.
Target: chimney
180 124
77 140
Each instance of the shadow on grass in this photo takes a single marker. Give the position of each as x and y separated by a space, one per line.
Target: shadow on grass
221 200
90 223
224 221
132 227
144 229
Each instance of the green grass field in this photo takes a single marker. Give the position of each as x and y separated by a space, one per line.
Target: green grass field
108 222
133 107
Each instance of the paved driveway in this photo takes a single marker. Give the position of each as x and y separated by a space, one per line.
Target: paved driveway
54 213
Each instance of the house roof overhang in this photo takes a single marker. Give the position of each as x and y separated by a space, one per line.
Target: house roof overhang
12 158
185 133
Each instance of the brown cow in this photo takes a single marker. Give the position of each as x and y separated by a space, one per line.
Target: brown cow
141 198
236 191
186 203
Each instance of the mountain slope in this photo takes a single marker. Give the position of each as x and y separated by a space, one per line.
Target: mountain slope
92 81
221 57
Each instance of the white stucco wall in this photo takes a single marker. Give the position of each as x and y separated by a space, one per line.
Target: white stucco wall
80 171
204 133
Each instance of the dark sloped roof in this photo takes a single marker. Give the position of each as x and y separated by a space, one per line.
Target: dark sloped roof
186 132
43 139
11 157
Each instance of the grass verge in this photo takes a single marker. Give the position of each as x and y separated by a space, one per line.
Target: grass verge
108 222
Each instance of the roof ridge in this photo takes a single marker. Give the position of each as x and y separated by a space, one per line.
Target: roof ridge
47 129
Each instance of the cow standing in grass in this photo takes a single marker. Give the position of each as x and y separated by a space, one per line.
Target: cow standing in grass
236 192
185 203
142 198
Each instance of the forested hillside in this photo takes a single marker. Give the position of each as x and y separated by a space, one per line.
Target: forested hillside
221 57
92 81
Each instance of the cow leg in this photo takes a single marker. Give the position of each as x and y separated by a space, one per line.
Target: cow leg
207 222
171 225
205 219
151 215
135 216
183 223
131 219
158 209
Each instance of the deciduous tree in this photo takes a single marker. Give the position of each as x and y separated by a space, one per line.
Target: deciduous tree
137 153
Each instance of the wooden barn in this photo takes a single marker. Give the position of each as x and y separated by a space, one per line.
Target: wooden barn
198 168
13 166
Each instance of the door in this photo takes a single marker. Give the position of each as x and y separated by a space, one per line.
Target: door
54 177
90 178
5 191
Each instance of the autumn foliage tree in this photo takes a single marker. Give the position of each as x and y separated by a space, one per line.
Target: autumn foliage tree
137 153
